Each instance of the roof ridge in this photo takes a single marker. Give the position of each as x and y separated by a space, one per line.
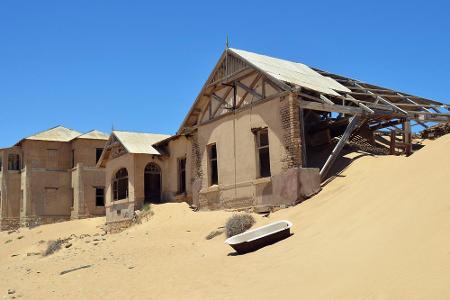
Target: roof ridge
139 132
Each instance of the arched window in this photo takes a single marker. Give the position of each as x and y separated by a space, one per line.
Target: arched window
152 168
120 185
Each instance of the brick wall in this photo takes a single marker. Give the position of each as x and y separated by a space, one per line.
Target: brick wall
196 170
289 115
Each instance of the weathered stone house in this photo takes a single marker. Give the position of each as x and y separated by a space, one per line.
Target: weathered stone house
51 176
263 132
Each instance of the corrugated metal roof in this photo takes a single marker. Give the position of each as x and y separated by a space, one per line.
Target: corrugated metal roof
56 134
292 72
94 135
138 142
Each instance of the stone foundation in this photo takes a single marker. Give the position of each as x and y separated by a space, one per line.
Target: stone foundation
42 220
286 189
9 224
118 226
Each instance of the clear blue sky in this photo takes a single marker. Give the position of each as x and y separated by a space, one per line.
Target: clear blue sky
140 64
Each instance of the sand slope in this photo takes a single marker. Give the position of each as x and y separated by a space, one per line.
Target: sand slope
380 231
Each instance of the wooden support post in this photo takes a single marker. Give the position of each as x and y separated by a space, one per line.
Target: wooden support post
407 139
392 143
339 146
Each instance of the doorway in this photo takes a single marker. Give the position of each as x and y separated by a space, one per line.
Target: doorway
152 183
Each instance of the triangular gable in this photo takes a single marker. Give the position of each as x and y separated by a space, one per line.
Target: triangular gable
113 148
94 135
230 66
260 75
123 142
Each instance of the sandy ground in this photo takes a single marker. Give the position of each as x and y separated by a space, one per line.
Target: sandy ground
379 231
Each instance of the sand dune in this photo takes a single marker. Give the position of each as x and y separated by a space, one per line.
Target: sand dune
379 231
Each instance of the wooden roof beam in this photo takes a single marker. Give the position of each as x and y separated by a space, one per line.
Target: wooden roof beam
248 90
325 99
363 106
384 100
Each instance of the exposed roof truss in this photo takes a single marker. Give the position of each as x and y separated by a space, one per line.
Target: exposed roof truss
237 82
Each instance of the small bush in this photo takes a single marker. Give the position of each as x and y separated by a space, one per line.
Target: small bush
144 214
214 233
53 246
238 224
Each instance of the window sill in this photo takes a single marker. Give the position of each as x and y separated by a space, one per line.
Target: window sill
262 180
117 202
13 171
212 188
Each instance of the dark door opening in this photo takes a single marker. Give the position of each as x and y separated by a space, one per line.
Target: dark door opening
152 183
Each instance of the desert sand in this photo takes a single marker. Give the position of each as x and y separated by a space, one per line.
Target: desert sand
380 230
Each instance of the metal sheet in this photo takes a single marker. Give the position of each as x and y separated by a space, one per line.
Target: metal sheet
94 135
56 134
138 142
292 72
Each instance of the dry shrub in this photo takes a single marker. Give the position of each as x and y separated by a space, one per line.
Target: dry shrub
238 224
144 214
53 246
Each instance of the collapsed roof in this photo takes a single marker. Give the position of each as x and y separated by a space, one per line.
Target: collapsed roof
317 89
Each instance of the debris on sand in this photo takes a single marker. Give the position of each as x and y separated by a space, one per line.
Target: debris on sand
75 269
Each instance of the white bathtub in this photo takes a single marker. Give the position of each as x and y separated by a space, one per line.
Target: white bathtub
254 239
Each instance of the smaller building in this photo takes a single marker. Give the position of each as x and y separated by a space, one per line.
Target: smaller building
51 176
144 168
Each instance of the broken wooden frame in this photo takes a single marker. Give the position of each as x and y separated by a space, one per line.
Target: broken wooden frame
236 84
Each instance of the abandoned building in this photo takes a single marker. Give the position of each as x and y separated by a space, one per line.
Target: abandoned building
52 176
263 132
138 173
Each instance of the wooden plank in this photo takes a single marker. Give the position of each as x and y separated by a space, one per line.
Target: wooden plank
238 75
248 90
252 86
331 108
243 108
384 100
363 106
224 102
325 99
340 145
385 125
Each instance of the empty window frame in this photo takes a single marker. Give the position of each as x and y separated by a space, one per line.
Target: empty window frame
120 185
73 158
98 154
212 165
262 149
13 162
99 196
1 161
182 175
